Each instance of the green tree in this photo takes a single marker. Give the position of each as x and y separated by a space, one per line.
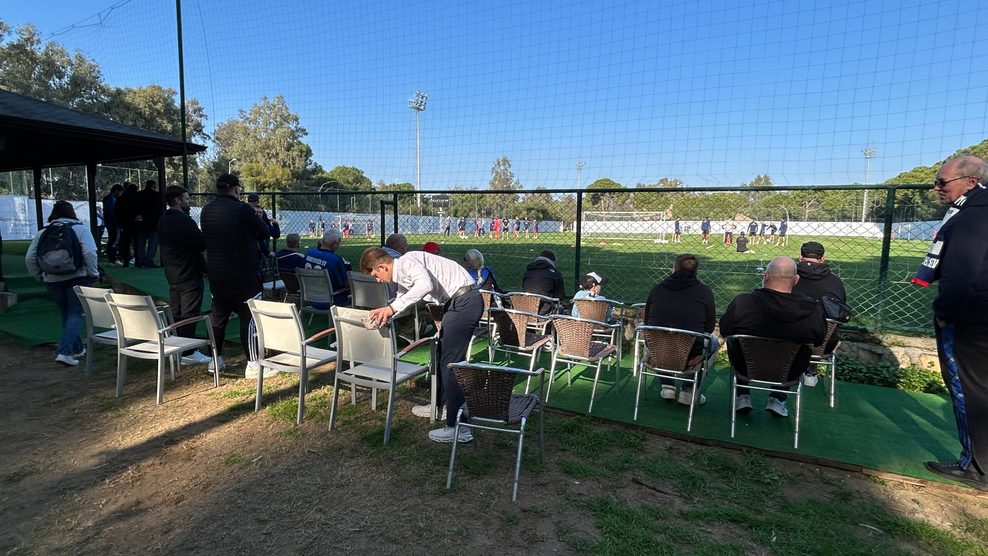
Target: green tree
607 201
502 177
654 201
267 142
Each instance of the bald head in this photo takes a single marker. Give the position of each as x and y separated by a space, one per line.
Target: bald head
780 274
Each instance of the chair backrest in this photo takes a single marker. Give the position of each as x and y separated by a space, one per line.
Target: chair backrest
668 348
511 325
135 316
314 285
574 335
487 389
357 344
291 282
531 302
821 350
593 309
279 327
766 359
98 313
366 292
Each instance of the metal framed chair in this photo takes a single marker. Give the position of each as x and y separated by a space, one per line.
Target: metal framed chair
283 346
766 366
366 292
665 353
574 345
821 356
100 326
142 334
599 310
315 292
291 288
535 304
491 404
370 358
509 334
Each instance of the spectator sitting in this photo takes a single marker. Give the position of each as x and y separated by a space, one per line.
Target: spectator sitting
324 256
590 287
432 247
541 277
773 311
289 258
396 245
482 275
682 301
815 281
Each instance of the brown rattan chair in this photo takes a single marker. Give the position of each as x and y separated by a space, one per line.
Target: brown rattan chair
766 366
491 404
667 355
535 304
575 346
820 355
600 311
509 335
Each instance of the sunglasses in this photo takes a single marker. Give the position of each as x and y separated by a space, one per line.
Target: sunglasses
940 182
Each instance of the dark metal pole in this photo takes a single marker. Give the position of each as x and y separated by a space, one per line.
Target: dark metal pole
394 210
883 265
37 197
91 191
579 235
274 216
181 98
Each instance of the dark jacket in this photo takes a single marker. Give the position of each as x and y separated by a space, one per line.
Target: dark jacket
150 206
682 301
232 230
110 211
541 277
963 269
816 280
181 245
773 314
127 208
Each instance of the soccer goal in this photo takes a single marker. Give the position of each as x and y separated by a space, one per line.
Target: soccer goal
606 225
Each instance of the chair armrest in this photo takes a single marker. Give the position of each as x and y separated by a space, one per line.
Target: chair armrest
318 335
420 342
183 322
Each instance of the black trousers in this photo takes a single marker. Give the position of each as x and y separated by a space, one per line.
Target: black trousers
113 234
962 348
185 299
228 298
459 322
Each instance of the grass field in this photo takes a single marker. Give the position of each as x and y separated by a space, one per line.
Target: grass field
635 264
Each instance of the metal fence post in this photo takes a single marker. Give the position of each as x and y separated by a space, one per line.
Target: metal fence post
274 216
579 235
883 265
394 210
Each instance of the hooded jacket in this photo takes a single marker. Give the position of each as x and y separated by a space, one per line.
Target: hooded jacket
541 277
816 280
681 301
963 270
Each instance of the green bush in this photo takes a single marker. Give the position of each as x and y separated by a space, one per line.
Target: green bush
885 373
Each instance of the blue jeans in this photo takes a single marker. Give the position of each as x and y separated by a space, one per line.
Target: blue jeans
70 310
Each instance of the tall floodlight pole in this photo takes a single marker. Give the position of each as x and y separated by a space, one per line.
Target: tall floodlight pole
417 103
869 153
579 173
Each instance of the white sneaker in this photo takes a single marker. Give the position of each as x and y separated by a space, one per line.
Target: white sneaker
425 411
742 404
445 435
777 407
810 380
252 370
219 358
668 392
197 358
66 360
80 354
686 396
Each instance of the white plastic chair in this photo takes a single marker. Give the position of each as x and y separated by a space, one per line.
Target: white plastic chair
100 326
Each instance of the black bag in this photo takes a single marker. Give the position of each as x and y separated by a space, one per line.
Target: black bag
59 250
836 309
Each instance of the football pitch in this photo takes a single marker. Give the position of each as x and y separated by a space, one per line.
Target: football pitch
634 263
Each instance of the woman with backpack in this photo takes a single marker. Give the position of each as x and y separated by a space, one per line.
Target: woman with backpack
63 255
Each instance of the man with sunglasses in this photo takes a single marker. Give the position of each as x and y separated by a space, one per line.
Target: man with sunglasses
958 261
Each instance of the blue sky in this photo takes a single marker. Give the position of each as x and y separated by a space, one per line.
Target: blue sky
711 93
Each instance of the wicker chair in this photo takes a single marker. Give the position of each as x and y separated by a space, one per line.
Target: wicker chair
667 355
575 346
767 363
600 310
509 335
536 305
820 355
491 404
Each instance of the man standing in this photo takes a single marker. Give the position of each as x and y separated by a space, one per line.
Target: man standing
420 275
729 228
126 210
772 311
151 209
542 277
233 259
324 256
683 301
111 223
182 246
274 230
815 281
957 260
705 231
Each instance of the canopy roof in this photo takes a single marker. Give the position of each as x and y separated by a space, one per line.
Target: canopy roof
37 133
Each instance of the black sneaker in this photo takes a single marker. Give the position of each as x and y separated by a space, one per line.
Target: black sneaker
954 471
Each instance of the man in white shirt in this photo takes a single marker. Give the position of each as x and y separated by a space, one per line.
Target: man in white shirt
420 275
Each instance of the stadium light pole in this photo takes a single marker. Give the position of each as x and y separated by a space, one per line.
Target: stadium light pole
579 173
869 153
417 103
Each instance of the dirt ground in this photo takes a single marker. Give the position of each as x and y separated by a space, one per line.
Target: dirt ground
84 472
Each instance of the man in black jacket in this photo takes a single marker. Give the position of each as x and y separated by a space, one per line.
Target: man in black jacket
815 281
150 211
182 245
233 259
127 211
773 311
683 301
111 222
541 277
958 260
